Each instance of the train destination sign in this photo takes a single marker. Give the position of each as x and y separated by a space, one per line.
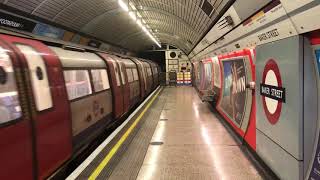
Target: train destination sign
272 92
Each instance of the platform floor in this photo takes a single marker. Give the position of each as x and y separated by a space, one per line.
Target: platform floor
181 138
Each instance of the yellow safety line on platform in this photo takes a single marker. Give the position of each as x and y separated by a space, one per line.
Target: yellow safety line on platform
106 159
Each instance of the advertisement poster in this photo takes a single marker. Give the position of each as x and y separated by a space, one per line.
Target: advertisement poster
315 170
234 90
48 31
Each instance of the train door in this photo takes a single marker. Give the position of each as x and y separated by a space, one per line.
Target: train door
48 101
15 128
125 86
114 73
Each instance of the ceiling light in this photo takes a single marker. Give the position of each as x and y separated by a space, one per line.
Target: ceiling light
123 5
132 15
136 16
139 22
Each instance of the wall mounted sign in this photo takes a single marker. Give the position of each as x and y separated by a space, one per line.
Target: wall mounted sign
272 92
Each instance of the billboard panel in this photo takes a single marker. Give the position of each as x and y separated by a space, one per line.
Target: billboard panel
233 100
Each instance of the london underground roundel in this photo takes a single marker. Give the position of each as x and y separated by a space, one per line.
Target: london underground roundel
272 92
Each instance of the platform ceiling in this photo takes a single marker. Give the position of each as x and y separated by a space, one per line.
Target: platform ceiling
181 23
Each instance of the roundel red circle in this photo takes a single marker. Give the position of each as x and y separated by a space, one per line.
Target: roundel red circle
272 65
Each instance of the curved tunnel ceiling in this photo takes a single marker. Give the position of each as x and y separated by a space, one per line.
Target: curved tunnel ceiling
178 22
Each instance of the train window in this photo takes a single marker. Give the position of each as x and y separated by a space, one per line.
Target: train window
39 77
9 102
130 75
100 79
135 74
116 70
77 83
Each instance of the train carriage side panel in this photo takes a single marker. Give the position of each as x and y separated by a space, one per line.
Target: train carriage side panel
48 102
133 80
206 85
89 93
216 80
114 74
147 76
141 78
15 127
155 74
125 84
148 70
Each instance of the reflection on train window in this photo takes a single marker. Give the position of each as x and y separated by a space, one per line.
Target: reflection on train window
129 74
135 74
149 71
122 75
216 73
116 72
155 70
100 79
208 76
77 83
9 102
39 77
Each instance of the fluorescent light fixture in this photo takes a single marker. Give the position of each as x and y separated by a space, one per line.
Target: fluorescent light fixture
144 29
123 5
139 23
132 15
136 16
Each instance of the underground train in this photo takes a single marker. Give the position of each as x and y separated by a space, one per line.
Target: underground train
269 95
261 72
55 99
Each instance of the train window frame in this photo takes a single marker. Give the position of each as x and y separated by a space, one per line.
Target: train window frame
106 80
116 71
122 69
135 75
89 80
13 80
37 90
129 75
149 71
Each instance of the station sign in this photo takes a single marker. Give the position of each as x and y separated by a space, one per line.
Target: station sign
272 92
8 20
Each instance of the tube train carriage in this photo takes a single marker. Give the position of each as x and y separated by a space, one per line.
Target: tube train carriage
278 118
47 90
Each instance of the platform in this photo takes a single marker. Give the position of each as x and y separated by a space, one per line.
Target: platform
177 137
